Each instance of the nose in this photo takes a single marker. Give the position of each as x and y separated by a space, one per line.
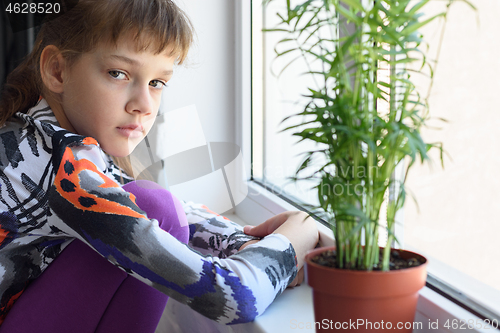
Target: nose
140 100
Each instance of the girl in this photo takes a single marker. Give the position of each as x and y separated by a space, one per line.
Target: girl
69 215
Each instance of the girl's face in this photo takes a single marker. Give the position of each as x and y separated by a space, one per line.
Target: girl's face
113 94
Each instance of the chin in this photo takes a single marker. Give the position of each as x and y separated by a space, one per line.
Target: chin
118 152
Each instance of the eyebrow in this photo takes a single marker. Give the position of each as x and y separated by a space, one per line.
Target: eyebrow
134 62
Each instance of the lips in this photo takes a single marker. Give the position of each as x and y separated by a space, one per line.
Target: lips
131 131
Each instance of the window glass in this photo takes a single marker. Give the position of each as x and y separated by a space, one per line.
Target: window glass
277 95
455 222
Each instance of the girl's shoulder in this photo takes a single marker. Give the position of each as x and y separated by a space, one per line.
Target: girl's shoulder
23 140
37 136
38 121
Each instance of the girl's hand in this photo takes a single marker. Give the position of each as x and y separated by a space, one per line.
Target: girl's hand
268 227
298 227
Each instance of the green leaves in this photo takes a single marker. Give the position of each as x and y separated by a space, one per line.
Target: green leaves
365 50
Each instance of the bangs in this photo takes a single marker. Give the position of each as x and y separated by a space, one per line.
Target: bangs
149 41
156 25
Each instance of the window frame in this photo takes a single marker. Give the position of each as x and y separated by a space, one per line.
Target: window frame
439 299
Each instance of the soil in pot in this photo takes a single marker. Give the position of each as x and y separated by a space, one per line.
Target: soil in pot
329 259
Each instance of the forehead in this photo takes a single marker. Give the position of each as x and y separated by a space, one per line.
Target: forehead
126 51
144 42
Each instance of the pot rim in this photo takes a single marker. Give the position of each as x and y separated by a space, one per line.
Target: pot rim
316 251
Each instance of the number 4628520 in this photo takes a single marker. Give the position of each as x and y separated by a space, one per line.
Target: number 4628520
33 8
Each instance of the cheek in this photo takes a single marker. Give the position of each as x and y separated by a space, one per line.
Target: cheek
148 124
78 103
149 121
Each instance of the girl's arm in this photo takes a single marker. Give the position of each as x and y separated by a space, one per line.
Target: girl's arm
88 205
213 234
297 226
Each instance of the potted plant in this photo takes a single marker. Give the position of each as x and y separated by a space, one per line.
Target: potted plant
360 146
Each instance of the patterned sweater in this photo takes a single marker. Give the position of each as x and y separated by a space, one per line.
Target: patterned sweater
56 186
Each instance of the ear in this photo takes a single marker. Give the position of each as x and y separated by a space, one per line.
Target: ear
52 68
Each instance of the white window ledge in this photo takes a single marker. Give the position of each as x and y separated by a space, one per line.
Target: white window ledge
293 310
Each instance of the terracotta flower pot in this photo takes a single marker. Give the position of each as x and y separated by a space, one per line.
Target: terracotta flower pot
363 301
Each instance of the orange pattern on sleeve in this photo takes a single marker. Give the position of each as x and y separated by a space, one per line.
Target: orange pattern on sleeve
67 183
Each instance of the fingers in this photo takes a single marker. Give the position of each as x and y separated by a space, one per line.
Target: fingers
247 229
266 227
257 231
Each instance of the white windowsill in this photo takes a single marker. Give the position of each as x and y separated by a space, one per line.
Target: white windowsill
293 310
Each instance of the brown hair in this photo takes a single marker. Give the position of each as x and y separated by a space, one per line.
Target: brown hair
156 25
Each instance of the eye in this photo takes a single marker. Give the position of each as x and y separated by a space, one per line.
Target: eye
117 74
157 84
